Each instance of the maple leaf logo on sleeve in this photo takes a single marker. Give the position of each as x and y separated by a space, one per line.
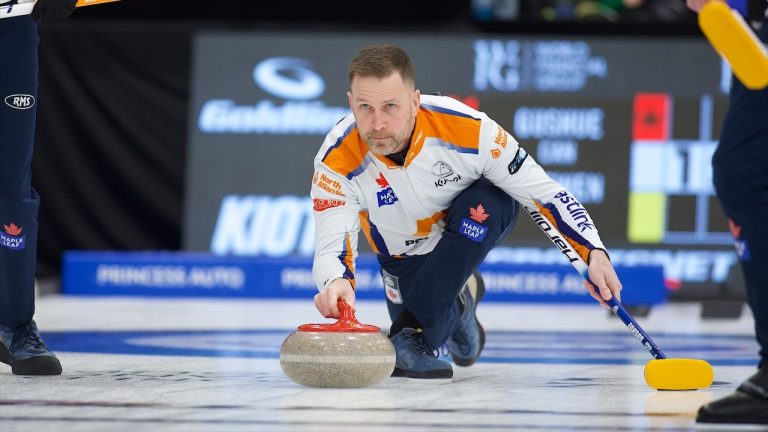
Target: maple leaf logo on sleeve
735 229
382 181
12 229
478 214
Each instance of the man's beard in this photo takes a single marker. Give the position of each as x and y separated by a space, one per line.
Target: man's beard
388 143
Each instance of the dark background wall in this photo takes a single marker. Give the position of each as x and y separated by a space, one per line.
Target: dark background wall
111 137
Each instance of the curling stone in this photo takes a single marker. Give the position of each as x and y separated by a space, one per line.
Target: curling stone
344 354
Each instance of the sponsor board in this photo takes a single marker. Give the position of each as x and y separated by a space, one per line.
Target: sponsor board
182 274
294 81
542 65
680 266
264 225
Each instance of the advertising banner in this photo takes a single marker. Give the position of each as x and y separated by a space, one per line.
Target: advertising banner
171 274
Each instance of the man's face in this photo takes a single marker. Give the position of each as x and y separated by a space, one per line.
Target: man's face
385 111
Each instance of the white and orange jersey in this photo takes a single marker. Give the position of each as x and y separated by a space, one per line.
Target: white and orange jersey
400 209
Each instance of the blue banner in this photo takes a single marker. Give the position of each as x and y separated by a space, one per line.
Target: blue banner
184 274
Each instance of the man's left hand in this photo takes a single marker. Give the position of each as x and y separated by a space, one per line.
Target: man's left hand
46 10
602 274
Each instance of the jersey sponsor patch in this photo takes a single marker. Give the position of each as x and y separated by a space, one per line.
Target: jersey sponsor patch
20 101
501 137
392 287
444 181
325 204
12 238
327 184
478 213
517 162
386 196
472 230
576 210
442 169
742 248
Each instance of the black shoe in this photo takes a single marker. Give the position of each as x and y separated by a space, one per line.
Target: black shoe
748 405
24 351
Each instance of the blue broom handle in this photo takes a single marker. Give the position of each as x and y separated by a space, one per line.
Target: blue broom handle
559 240
634 327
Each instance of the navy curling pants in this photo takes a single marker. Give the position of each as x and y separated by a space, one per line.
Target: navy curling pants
740 170
430 284
19 203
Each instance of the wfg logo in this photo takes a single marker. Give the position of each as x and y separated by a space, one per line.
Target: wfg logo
20 101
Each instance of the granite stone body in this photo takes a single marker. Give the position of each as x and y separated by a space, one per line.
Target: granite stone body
337 359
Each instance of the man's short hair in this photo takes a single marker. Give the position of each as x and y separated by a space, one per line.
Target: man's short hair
381 61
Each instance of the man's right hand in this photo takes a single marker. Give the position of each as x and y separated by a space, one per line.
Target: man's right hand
327 299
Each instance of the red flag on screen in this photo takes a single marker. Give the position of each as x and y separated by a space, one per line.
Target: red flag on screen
652 115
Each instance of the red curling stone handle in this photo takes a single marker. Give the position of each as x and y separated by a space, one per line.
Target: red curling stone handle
346 323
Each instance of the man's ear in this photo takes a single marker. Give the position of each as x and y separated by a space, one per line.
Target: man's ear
349 99
416 99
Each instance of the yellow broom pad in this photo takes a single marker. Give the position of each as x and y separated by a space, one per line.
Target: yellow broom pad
736 42
678 374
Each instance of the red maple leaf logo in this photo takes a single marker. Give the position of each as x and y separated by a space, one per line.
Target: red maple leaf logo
12 229
391 294
735 229
382 181
478 215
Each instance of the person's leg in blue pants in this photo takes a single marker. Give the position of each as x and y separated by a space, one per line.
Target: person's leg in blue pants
20 344
740 170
